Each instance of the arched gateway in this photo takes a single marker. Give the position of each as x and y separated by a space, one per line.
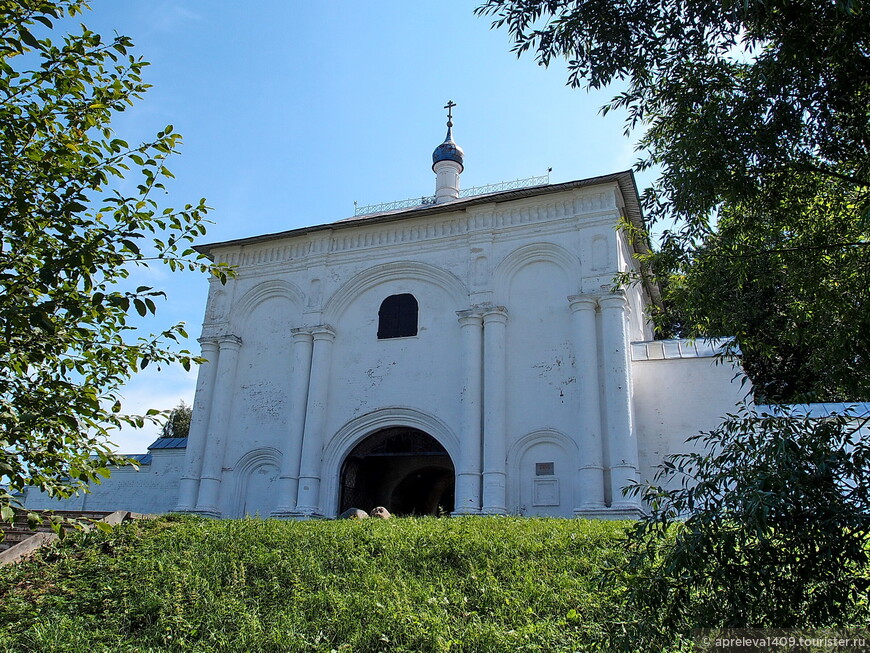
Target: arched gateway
401 468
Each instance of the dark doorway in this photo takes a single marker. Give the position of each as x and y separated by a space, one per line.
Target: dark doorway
405 470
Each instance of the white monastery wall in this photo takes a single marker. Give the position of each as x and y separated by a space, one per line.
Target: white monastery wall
152 489
680 390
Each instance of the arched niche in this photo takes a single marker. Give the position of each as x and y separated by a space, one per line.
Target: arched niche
600 254
542 469
557 255
266 291
541 376
396 371
263 318
254 481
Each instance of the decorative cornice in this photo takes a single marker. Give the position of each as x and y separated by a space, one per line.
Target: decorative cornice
624 180
302 245
614 300
229 341
323 332
495 314
581 302
472 316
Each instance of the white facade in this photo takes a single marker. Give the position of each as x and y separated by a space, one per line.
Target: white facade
530 386
521 367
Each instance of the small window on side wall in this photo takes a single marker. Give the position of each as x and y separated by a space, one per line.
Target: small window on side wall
397 317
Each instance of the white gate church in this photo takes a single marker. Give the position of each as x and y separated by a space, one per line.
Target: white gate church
466 355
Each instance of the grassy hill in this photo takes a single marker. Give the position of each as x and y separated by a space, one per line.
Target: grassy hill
185 584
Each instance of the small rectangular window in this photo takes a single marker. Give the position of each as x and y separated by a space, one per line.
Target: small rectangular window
544 469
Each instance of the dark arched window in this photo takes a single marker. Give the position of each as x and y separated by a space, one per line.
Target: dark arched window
397 317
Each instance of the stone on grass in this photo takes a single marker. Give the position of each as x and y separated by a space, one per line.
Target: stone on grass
354 513
381 513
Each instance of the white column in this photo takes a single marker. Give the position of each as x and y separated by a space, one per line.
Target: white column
617 399
224 388
590 474
308 495
288 480
188 488
468 468
494 410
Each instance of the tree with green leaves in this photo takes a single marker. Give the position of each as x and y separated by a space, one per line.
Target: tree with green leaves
755 115
794 290
766 524
71 235
177 424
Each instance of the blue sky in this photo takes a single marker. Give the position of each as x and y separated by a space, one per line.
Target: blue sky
293 110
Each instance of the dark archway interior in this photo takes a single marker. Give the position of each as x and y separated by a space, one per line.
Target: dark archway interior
405 470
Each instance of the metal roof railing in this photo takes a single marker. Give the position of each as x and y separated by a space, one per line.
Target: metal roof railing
463 194
543 180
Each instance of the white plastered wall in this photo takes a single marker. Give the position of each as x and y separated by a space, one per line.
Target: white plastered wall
677 395
152 489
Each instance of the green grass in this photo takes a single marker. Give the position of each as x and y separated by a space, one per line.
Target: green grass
185 584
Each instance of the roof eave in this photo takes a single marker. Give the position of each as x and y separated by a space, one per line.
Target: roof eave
622 178
640 245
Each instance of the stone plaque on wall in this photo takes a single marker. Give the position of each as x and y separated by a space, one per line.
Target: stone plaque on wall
545 492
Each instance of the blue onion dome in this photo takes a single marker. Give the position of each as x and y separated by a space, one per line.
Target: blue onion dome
448 150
